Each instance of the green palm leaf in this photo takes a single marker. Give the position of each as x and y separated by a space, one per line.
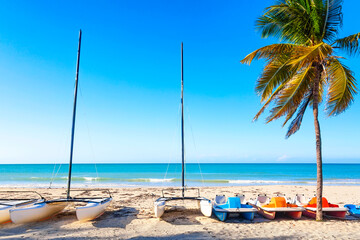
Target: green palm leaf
296 123
274 74
269 52
300 68
349 44
333 19
342 87
292 93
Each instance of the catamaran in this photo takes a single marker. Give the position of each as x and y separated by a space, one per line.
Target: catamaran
16 202
94 206
160 203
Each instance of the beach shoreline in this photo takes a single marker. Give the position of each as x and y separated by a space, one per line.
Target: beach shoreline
131 217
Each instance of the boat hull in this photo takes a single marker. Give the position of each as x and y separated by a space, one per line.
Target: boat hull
354 210
37 212
5 210
92 210
206 207
159 208
294 215
248 215
5 214
309 214
266 214
340 214
272 214
222 216
334 214
269 214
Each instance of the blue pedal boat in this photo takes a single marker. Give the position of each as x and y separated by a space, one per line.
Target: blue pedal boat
223 206
354 210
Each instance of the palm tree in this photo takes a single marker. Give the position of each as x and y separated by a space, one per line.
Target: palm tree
303 64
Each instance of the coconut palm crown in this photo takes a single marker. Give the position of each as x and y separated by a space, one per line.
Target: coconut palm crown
304 65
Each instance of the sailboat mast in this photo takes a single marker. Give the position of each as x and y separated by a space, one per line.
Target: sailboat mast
182 125
74 116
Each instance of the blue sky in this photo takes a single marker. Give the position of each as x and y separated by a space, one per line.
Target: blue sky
128 106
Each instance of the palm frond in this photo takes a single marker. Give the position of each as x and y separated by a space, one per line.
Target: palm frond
307 55
342 87
293 93
270 99
274 74
268 52
332 20
349 44
288 21
296 122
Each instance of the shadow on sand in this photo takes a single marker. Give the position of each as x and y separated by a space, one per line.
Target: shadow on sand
119 218
181 216
201 235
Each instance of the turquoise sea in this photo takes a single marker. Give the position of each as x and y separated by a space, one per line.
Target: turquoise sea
211 174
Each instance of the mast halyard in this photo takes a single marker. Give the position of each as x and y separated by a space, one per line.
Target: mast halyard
182 125
74 116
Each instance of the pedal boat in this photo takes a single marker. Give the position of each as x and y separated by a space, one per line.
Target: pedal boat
330 210
269 209
354 210
223 206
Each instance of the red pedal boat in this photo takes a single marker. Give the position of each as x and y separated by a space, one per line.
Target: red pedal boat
330 210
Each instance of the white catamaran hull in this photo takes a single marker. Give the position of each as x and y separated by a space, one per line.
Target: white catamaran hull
206 208
36 212
5 210
5 214
159 208
92 210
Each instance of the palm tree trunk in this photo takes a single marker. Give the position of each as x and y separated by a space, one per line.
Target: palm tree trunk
319 175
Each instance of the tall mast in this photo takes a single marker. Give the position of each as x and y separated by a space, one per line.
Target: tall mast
74 116
182 124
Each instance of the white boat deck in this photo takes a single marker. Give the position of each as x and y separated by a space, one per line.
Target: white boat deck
328 209
235 210
283 209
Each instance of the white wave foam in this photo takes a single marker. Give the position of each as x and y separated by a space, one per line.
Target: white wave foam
257 181
90 179
342 182
156 180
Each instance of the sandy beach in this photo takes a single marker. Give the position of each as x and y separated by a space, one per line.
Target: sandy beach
131 217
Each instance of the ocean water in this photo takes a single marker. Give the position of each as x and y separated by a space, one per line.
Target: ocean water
132 175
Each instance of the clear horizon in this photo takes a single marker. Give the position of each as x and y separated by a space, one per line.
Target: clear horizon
130 85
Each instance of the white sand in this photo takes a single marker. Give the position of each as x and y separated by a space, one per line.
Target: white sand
131 217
